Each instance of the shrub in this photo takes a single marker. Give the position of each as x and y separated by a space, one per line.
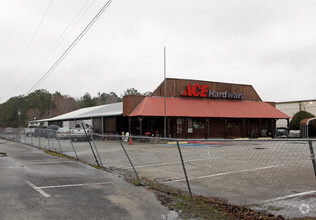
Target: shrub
298 117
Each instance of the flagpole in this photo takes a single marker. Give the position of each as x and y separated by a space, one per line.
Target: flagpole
165 93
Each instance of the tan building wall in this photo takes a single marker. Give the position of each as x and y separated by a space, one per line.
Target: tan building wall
291 108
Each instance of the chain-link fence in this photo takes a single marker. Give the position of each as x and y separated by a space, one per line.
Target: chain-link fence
277 176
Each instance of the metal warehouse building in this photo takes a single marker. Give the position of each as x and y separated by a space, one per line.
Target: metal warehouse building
103 118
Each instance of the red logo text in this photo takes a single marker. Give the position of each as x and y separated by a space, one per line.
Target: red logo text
195 90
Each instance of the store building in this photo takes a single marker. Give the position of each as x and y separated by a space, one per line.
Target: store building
201 109
182 108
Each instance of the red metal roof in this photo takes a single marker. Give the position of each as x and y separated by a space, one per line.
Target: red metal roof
182 107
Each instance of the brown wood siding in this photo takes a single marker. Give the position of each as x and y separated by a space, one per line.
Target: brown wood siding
176 86
110 125
217 127
130 102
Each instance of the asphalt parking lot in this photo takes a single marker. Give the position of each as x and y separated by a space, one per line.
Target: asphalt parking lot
35 185
270 175
277 176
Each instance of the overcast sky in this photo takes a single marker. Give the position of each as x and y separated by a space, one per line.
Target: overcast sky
270 44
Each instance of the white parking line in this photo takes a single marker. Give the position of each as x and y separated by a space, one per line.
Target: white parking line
161 164
52 162
222 174
290 196
72 185
37 189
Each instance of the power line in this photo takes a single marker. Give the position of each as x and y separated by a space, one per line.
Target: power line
56 44
72 45
28 47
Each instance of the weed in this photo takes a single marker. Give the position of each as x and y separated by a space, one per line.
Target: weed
53 153
3 154
198 207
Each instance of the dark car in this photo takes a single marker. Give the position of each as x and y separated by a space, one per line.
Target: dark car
40 132
282 132
51 131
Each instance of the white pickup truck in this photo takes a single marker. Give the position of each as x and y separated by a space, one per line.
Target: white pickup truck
77 133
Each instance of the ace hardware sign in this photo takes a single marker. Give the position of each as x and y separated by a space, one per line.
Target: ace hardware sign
197 90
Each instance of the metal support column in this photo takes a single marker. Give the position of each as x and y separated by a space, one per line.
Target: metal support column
140 126
244 128
225 128
102 126
130 125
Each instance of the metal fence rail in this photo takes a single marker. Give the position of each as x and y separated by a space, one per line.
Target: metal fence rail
273 175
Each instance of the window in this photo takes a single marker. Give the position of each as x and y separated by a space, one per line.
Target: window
197 124
232 124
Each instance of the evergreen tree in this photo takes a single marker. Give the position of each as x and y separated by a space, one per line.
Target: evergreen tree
86 101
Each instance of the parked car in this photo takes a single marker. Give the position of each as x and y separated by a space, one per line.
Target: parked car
77 133
282 132
8 130
294 134
51 131
30 130
62 133
40 132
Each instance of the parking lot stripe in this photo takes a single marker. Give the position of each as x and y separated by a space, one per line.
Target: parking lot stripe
73 185
51 162
37 189
290 196
222 174
169 163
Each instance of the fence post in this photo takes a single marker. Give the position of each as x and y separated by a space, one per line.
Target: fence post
72 146
96 159
96 149
184 170
129 160
59 145
47 135
312 155
39 141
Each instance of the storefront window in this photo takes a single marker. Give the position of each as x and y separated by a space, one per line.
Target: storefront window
179 128
232 124
179 125
197 124
190 125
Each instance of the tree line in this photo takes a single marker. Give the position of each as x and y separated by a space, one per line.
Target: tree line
18 110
